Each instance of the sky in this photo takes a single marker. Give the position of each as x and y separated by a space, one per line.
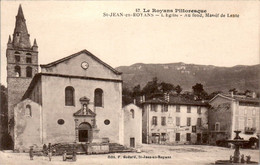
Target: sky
62 28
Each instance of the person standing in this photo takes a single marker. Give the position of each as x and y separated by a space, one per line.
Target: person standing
31 153
49 151
49 154
44 149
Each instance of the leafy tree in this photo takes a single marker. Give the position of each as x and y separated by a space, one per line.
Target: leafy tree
137 91
152 87
247 92
199 91
234 90
178 89
126 96
4 144
166 87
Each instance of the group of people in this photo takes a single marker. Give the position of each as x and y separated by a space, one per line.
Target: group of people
46 150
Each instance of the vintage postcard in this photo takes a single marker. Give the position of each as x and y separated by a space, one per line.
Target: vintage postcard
130 82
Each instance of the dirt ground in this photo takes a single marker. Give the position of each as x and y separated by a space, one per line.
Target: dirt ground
150 154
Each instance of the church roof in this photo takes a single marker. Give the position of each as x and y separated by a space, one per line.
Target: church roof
20 12
21 37
78 53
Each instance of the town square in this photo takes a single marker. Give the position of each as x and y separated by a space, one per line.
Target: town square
86 82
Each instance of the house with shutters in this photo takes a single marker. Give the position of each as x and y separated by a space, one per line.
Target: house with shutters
174 120
229 113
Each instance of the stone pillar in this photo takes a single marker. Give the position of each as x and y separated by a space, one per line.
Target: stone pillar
236 154
76 131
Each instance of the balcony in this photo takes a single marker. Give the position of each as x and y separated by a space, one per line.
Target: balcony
249 130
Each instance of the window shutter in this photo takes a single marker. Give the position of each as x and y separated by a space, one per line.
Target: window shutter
245 122
98 98
254 123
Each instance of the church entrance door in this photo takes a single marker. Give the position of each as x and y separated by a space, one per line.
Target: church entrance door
85 132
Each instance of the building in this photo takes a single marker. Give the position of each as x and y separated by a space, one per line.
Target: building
77 99
233 112
71 101
22 64
174 120
132 125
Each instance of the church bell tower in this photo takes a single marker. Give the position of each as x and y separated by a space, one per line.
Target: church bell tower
22 64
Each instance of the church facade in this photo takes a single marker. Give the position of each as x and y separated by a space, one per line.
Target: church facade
77 99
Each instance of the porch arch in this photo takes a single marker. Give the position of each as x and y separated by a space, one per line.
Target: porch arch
85 133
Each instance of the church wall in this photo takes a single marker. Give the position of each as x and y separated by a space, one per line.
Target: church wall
27 129
132 125
53 102
36 94
73 65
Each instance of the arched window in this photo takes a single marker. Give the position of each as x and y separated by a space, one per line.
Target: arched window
28 71
17 71
28 54
98 97
17 58
28 60
69 96
16 52
132 113
28 110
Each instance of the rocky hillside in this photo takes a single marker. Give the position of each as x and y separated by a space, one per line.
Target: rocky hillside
213 78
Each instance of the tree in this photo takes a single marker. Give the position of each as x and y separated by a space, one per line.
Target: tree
234 90
247 92
4 119
166 87
199 91
126 96
137 91
152 87
178 89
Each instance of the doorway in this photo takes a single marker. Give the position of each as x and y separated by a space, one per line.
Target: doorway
132 142
85 132
199 138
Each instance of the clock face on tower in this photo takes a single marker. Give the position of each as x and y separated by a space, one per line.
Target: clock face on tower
84 65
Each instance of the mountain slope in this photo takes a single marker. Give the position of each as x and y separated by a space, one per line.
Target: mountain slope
212 77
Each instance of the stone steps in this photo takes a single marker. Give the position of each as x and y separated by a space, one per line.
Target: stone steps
69 148
83 148
118 148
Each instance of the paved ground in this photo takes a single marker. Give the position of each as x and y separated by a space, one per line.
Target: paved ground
151 154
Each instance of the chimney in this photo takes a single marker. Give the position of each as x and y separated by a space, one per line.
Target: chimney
134 102
253 95
143 98
166 97
232 95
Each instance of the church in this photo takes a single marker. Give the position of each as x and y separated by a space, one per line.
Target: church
74 99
